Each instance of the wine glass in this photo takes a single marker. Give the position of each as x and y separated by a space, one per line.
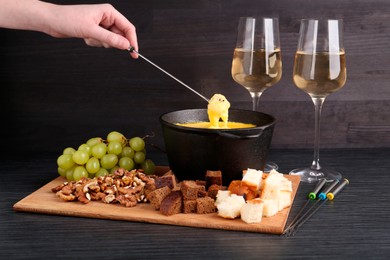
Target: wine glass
319 70
257 60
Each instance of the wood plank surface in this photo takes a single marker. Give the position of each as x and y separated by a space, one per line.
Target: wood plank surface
44 201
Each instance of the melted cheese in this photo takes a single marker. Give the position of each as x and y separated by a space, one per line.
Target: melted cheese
221 125
217 109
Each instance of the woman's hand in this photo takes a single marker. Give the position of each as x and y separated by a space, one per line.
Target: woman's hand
98 24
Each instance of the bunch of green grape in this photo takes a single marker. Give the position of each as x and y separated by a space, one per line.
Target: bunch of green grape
99 157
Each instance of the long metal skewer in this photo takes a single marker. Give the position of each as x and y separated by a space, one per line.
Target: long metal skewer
311 197
329 196
321 196
131 49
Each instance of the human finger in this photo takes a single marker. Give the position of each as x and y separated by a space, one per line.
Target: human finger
121 25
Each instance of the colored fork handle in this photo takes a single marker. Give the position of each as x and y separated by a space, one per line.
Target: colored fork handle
313 195
333 194
322 195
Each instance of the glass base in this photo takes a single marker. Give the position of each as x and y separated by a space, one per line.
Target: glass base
310 175
270 166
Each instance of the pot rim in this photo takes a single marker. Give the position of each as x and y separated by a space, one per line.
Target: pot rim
208 130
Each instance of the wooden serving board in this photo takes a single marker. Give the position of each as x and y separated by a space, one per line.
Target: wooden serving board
45 201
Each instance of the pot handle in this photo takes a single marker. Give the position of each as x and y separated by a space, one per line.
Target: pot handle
240 135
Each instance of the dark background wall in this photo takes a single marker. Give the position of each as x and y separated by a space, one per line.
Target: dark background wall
59 92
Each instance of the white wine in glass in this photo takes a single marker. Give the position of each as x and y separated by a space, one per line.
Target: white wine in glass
319 70
257 60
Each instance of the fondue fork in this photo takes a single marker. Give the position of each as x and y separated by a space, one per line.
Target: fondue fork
131 49
329 196
289 230
311 197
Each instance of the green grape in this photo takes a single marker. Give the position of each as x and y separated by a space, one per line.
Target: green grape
127 152
139 157
116 136
99 157
80 157
93 141
61 172
114 147
69 150
69 174
148 166
86 148
137 143
114 169
79 172
65 161
101 172
93 165
108 161
126 163
98 150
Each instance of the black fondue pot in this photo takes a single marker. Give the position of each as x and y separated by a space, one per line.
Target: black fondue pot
193 151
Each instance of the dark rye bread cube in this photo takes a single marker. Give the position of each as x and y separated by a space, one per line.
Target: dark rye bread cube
190 190
213 177
205 205
213 190
201 182
157 196
172 204
166 180
189 206
202 193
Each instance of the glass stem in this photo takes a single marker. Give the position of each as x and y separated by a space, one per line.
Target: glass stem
255 100
318 102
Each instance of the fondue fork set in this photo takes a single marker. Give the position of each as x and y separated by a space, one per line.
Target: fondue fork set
328 193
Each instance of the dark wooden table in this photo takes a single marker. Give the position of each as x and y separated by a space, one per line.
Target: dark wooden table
354 226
